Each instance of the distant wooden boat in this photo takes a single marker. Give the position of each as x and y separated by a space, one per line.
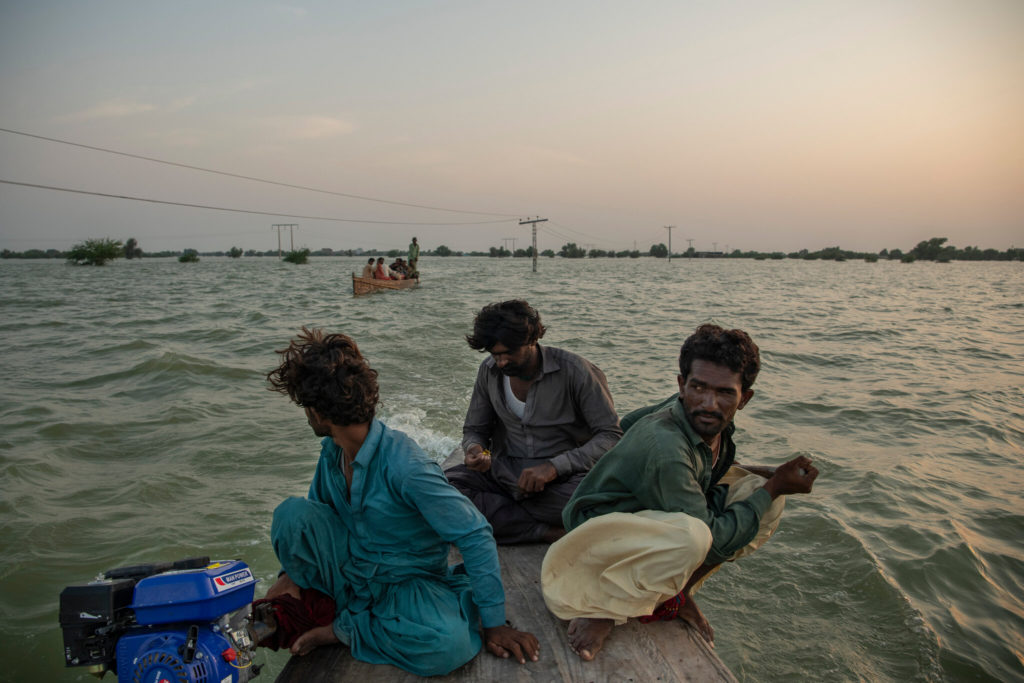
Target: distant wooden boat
365 285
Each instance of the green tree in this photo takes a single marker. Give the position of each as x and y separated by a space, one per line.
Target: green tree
570 250
659 250
131 248
235 252
442 250
95 252
550 253
298 257
189 256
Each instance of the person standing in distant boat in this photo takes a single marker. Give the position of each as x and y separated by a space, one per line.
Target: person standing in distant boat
368 269
672 496
414 256
538 420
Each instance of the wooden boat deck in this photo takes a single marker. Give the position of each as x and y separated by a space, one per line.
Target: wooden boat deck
665 651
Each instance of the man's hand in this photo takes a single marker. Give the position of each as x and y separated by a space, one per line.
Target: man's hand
314 638
477 459
284 586
505 641
796 476
533 479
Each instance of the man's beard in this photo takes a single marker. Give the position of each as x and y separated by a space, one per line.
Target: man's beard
511 370
707 429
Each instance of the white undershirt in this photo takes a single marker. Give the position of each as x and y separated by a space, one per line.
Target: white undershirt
517 407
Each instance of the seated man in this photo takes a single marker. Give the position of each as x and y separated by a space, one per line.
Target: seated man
368 269
538 420
375 530
666 506
383 272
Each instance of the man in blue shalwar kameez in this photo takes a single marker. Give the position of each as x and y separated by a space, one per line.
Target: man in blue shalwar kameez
375 530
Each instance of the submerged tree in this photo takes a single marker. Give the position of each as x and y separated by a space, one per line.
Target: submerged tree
189 256
300 256
235 252
95 252
131 248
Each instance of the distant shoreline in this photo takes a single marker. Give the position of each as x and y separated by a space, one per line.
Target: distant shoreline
934 249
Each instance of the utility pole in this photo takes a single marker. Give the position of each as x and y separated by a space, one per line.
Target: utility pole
689 241
714 247
533 223
291 230
669 228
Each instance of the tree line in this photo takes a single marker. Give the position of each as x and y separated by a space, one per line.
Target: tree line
100 251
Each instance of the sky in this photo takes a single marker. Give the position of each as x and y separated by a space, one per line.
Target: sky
768 126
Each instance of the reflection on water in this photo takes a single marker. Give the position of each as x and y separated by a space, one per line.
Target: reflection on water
136 426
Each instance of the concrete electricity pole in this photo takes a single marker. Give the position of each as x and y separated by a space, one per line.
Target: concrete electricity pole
291 230
669 228
534 223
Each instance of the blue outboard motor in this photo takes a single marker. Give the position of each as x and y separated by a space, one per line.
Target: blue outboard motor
183 622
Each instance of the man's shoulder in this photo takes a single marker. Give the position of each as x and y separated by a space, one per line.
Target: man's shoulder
573 363
659 434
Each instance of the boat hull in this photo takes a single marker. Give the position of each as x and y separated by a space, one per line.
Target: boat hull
365 285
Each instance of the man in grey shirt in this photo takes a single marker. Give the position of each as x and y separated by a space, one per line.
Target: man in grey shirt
538 420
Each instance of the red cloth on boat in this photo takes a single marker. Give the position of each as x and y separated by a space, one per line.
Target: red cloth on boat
294 617
666 611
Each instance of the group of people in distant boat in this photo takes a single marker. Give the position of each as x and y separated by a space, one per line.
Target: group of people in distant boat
638 511
399 270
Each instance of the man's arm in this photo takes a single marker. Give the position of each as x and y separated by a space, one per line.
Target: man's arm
590 393
479 423
759 470
457 521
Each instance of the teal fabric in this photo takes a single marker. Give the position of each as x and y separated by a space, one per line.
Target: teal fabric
662 464
383 555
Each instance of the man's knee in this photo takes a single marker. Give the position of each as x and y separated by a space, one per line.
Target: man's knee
295 515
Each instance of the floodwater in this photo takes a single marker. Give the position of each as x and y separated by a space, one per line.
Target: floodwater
135 426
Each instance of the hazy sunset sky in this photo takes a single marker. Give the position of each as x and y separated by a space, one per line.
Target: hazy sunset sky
753 125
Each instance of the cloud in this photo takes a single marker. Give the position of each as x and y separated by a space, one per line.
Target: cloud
297 128
112 109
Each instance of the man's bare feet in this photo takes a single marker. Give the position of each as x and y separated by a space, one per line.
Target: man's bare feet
691 614
313 638
587 636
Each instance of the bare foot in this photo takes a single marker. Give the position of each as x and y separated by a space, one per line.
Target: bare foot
586 636
313 638
692 615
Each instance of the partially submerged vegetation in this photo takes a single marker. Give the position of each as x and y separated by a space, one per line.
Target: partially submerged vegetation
935 249
95 252
300 256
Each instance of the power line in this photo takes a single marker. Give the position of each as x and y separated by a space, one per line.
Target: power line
258 180
233 210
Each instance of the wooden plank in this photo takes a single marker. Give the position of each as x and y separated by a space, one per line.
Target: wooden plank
665 651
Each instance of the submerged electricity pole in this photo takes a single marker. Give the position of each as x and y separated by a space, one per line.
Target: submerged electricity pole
533 223
291 230
669 228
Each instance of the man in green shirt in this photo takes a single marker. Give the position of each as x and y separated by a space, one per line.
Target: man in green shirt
414 256
668 504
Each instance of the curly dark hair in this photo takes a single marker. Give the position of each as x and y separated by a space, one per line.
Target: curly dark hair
327 373
513 323
731 348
